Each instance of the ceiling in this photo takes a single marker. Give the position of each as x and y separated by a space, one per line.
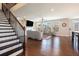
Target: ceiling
43 10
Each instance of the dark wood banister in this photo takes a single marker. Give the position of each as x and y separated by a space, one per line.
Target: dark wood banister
14 17
10 5
18 23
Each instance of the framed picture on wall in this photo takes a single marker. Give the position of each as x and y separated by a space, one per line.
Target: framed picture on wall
64 24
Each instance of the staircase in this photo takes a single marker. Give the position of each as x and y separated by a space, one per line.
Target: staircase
9 42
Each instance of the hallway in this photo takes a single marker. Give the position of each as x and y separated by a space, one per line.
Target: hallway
57 46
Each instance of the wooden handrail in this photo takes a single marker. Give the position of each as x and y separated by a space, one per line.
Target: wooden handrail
9 5
17 20
14 16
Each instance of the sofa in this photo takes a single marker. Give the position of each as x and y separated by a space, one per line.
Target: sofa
34 34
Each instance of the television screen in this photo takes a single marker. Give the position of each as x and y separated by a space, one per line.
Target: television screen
29 23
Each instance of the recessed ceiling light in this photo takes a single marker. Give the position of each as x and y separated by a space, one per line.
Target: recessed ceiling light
51 9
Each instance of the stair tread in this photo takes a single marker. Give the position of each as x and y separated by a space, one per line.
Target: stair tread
6 28
7 32
7 35
5 25
7 40
4 22
7 46
10 50
8 43
17 53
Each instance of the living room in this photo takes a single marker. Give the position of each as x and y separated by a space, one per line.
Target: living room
50 29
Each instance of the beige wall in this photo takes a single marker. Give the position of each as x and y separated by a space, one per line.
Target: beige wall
17 6
0 6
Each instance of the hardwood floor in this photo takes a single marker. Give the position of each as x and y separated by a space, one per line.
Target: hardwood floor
56 46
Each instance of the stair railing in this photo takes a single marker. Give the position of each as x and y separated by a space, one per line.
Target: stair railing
20 30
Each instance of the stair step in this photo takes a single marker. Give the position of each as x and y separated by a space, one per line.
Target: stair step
7 50
13 51
6 28
5 25
3 17
5 34
8 38
4 22
1 31
8 43
17 53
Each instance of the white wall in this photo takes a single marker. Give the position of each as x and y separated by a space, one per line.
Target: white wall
63 31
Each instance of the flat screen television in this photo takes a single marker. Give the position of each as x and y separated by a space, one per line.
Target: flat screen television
29 23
